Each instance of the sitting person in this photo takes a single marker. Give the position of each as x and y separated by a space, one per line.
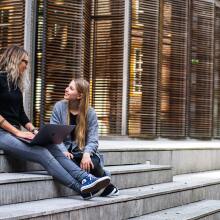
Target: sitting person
13 65
82 145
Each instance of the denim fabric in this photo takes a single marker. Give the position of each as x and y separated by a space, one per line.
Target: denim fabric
50 157
98 170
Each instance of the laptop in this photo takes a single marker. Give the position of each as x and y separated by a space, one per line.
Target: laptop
50 134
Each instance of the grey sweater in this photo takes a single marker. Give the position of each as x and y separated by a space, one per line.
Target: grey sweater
60 116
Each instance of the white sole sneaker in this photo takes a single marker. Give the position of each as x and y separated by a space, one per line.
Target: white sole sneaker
115 192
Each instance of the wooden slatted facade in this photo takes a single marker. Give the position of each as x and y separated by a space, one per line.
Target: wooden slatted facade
201 73
143 83
173 81
216 96
107 64
173 68
12 13
59 53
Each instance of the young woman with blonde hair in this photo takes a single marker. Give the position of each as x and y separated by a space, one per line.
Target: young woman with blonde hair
82 145
13 63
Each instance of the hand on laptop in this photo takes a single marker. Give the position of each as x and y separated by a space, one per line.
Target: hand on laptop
35 131
25 134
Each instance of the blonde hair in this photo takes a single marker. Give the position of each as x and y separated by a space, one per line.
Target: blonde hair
9 62
82 87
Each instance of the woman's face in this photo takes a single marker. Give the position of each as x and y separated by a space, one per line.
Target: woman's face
23 64
71 92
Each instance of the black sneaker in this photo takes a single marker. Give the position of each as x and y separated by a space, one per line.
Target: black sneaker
87 196
110 190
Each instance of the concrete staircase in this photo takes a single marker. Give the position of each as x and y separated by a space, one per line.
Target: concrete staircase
206 210
27 192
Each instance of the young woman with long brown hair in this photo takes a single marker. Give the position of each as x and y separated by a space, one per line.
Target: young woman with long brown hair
82 144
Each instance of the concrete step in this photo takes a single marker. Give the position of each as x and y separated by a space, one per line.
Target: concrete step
10 164
23 187
184 156
112 157
130 203
129 176
206 210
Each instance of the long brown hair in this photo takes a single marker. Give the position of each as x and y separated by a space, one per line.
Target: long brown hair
9 62
82 87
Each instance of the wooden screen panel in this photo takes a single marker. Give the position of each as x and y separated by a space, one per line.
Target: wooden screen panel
143 69
12 14
86 39
201 82
38 93
61 26
173 69
107 64
216 111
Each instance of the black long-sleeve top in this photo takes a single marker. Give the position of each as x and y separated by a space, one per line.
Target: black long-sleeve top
11 103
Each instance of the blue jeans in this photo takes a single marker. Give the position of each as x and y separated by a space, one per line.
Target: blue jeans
98 170
50 157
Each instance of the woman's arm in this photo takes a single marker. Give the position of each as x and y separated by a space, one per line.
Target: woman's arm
92 137
56 115
91 142
56 119
23 118
13 130
25 121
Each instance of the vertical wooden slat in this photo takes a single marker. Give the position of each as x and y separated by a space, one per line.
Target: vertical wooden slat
86 39
216 111
143 68
12 14
61 51
201 85
173 71
107 64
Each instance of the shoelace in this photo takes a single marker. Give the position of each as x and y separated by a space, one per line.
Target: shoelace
84 180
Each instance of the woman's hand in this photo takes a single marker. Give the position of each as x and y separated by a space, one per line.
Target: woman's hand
25 134
35 131
68 155
86 162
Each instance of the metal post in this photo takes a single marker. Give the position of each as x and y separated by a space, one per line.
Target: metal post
125 67
29 45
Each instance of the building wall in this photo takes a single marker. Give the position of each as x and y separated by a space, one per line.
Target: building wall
172 64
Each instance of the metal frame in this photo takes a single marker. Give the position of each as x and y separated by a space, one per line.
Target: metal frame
124 122
29 45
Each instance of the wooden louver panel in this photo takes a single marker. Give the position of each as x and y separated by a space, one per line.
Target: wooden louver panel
201 84
12 14
216 111
169 96
143 69
86 38
38 93
107 64
173 69
60 53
